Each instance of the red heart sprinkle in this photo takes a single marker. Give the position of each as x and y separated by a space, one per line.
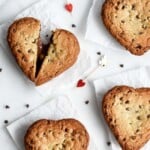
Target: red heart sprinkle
69 7
80 83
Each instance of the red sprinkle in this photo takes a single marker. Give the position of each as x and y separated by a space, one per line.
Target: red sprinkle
80 83
69 7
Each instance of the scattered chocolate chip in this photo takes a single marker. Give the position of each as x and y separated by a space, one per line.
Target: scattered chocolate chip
103 65
5 121
121 65
27 105
86 102
108 143
98 53
0 69
73 25
46 35
7 107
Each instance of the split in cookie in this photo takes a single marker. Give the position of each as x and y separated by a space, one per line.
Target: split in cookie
41 63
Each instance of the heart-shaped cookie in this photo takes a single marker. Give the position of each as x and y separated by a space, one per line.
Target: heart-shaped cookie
127 112
129 22
66 134
41 63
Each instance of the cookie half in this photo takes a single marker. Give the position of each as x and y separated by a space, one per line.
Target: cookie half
62 53
23 39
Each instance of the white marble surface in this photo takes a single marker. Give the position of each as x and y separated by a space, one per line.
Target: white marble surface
16 94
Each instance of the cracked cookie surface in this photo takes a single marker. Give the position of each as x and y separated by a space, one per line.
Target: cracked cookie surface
23 36
62 53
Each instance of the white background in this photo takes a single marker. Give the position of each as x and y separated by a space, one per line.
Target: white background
16 94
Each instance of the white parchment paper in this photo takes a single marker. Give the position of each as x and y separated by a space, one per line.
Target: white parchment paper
139 77
58 108
96 31
52 15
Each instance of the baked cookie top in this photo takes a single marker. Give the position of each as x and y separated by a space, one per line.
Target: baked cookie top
127 112
129 22
66 134
62 53
23 37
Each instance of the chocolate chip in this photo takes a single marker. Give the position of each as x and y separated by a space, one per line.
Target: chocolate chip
27 105
148 116
123 7
98 53
7 107
137 16
127 102
133 137
46 35
108 143
138 118
121 65
5 121
133 7
86 102
127 109
73 26
0 69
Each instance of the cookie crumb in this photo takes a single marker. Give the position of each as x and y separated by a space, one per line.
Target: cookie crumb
98 53
0 69
7 106
108 143
5 121
73 26
121 65
27 105
87 102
